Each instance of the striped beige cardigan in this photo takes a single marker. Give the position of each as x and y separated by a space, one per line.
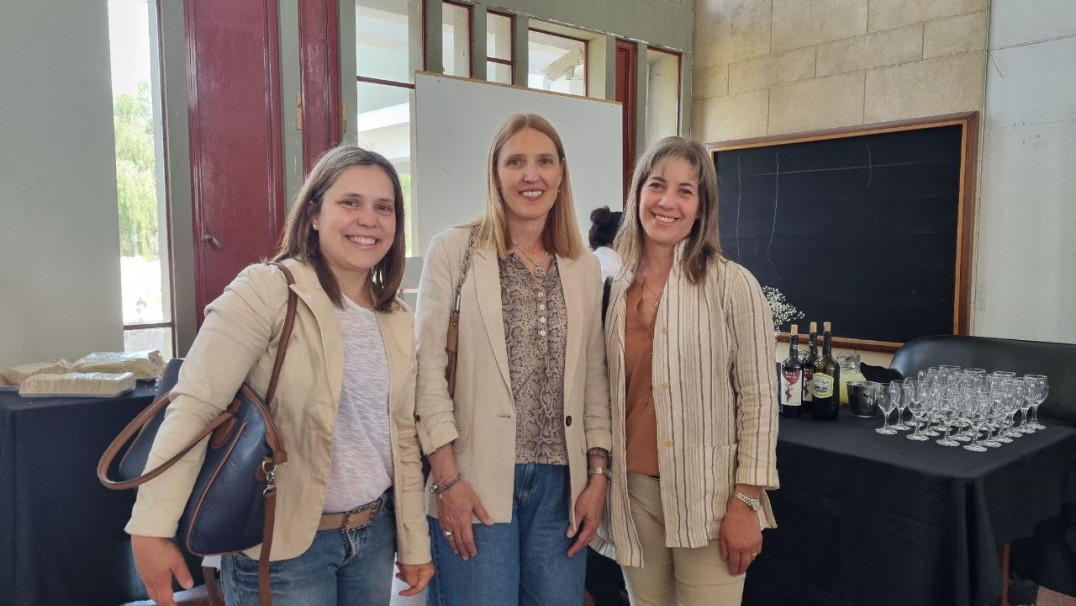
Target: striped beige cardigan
716 400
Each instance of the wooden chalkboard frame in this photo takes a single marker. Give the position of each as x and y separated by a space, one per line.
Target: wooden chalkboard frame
969 123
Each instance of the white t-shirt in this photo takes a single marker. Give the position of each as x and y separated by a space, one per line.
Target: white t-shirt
361 467
610 261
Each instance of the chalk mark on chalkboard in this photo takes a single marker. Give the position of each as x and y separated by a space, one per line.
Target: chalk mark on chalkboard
787 173
776 194
870 166
739 196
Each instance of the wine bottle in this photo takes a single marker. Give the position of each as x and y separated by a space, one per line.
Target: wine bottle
791 379
809 363
826 403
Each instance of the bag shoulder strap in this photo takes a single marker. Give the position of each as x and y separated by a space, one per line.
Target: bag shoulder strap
144 417
463 271
606 288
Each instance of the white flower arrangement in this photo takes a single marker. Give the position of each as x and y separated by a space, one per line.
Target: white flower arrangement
783 311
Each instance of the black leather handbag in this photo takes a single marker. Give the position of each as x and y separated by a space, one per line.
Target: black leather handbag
232 505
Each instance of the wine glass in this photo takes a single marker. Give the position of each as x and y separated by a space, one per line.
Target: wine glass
1038 390
976 415
896 391
886 404
915 406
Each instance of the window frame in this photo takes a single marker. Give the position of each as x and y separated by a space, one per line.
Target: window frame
164 231
586 55
470 36
509 62
679 79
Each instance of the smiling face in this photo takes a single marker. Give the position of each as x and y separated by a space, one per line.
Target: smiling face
356 224
669 202
529 172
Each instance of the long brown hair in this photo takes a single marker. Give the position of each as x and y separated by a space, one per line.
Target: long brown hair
702 245
300 240
561 234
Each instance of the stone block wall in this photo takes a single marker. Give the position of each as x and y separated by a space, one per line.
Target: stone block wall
770 67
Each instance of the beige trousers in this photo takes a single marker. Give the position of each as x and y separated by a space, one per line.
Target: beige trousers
674 576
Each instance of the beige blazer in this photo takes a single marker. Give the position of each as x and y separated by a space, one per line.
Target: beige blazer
482 417
237 343
715 397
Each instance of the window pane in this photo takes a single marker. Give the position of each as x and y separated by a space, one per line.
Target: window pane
143 339
139 180
662 94
498 36
456 39
498 72
381 30
384 126
556 63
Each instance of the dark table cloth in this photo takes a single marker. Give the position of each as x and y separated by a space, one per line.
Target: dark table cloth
872 520
61 532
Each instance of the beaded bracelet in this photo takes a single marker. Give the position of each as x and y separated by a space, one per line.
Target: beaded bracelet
598 451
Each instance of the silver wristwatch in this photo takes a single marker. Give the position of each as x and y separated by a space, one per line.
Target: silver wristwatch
604 471
754 504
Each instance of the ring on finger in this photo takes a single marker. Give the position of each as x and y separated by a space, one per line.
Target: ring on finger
448 534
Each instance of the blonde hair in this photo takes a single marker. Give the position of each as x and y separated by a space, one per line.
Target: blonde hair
702 246
561 233
300 239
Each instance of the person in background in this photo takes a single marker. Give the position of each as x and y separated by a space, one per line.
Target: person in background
604 224
521 447
344 405
691 354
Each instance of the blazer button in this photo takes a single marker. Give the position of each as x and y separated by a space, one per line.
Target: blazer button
417 417
568 420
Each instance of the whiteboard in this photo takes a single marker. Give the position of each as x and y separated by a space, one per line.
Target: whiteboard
455 120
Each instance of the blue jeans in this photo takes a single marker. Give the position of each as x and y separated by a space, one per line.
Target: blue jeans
521 563
353 568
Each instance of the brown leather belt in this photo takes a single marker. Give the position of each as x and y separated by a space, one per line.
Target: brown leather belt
356 519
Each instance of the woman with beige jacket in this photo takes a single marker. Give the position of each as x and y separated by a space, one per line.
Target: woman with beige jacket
350 497
522 445
690 350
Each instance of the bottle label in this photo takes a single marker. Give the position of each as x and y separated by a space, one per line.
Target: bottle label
808 375
790 387
821 385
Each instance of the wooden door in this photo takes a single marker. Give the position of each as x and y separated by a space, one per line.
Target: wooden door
625 93
319 44
234 109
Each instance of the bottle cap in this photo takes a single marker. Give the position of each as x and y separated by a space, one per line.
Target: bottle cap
825 326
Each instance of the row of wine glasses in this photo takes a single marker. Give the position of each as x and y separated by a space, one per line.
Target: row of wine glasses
961 406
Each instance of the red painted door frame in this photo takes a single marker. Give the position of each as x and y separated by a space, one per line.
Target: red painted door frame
625 94
237 177
319 48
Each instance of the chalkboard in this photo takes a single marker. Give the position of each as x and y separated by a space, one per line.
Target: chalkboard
867 228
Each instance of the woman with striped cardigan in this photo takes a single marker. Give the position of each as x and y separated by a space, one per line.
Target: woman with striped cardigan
691 358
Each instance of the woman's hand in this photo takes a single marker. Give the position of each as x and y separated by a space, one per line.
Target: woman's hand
158 559
417 576
741 537
588 513
456 509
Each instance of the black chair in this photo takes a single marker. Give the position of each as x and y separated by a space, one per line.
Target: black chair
1055 360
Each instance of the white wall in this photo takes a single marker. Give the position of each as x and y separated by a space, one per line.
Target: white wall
59 232
1026 252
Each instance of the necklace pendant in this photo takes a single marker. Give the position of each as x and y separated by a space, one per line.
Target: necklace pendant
539 273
